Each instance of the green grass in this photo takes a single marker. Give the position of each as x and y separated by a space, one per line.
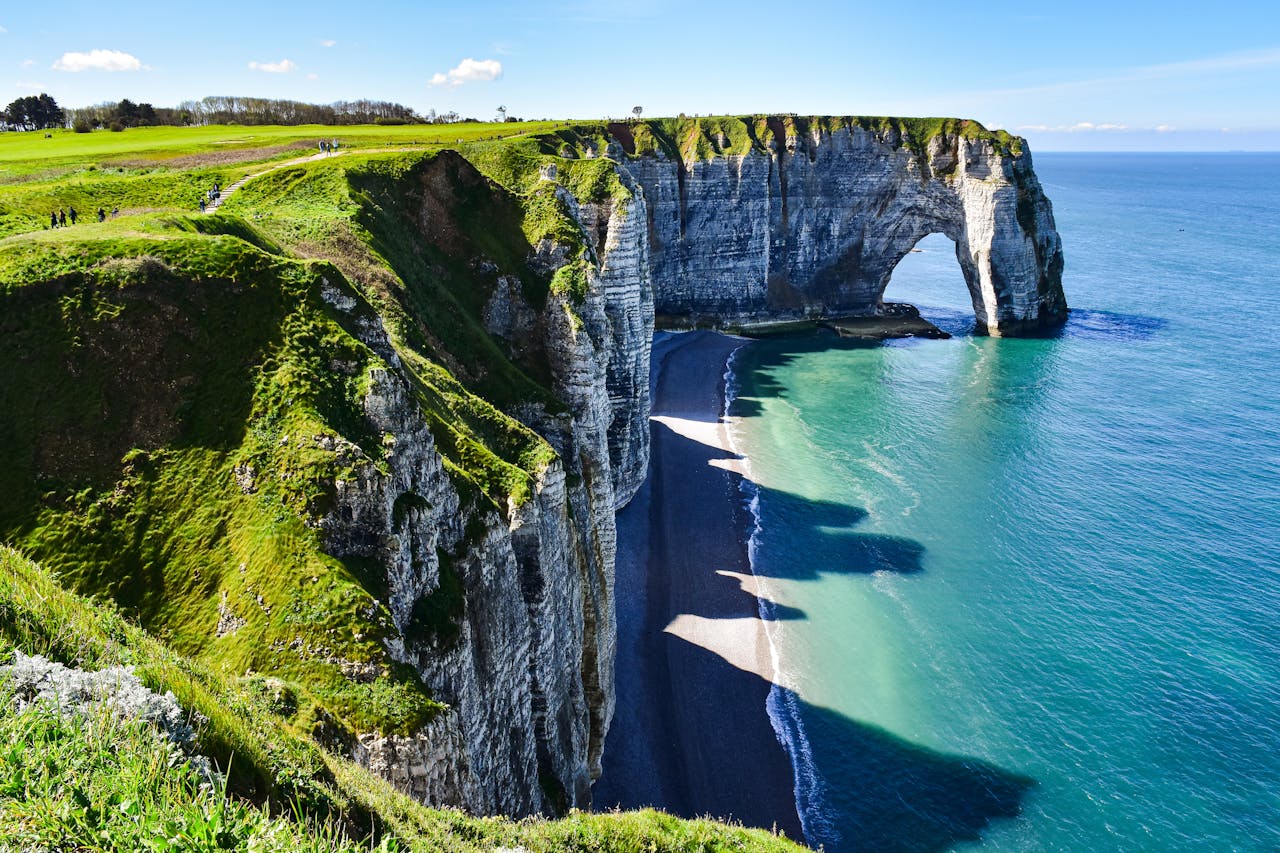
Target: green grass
690 139
97 784
129 409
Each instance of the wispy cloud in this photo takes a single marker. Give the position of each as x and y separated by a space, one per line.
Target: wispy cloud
27 63
98 60
30 87
1078 127
468 71
284 66
1227 63
313 76
3 30
327 42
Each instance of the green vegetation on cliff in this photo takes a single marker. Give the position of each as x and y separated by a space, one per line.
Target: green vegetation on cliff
97 783
689 139
182 400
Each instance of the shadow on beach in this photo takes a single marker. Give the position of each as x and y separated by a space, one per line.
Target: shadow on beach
691 733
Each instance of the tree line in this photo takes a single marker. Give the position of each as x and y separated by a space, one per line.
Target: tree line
34 112
42 112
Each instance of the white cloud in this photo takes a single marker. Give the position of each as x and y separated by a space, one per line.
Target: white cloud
327 42
3 30
1165 128
33 88
98 60
313 76
469 71
27 63
284 66
1078 127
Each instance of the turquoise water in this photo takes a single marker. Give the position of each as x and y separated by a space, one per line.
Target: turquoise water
1030 590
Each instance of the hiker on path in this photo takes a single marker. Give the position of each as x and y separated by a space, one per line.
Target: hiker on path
62 218
115 211
74 216
53 219
102 215
202 205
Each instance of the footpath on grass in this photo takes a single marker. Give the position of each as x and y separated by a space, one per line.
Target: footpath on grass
227 192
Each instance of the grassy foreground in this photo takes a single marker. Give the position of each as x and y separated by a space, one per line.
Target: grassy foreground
94 783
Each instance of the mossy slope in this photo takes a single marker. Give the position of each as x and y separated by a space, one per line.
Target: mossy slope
169 404
97 785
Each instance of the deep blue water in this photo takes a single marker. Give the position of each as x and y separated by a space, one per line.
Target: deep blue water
1032 587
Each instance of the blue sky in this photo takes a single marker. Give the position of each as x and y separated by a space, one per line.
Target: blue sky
1082 75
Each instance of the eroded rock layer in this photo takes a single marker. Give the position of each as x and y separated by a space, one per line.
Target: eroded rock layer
811 223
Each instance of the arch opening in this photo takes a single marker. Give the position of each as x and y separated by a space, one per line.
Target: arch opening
930 278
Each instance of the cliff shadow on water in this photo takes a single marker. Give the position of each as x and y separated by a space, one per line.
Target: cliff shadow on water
696 673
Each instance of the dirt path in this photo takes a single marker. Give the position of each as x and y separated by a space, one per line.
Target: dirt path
230 190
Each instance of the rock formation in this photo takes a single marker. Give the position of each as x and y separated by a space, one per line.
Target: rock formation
800 225
711 223
811 219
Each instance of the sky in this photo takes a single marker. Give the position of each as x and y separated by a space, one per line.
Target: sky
1083 75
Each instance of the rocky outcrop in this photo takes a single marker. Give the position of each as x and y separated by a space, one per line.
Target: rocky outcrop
811 223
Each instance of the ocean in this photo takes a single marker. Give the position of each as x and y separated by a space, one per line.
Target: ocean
1027 592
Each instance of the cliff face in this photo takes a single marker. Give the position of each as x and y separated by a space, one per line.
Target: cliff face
807 224
529 676
411 482
809 221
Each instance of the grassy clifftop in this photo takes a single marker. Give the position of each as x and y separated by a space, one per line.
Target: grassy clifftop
180 401
689 139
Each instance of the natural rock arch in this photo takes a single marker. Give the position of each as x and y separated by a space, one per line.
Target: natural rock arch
814 226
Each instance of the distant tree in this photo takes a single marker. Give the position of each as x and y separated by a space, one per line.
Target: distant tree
34 113
126 113
637 111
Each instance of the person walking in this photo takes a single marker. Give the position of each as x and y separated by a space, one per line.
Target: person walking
202 205
102 215
53 219
74 216
62 218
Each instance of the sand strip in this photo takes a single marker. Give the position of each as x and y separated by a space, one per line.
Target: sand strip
691 733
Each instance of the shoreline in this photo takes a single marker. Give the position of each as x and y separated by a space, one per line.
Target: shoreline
693 733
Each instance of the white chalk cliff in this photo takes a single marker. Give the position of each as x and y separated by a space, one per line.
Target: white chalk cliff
808 221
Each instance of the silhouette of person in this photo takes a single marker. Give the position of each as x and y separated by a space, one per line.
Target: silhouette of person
62 218
102 215
53 219
74 216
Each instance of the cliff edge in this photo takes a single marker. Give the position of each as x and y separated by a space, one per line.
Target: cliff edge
763 219
366 428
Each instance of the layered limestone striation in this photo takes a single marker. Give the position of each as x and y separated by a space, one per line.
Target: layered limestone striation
528 675
801 221
807 219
